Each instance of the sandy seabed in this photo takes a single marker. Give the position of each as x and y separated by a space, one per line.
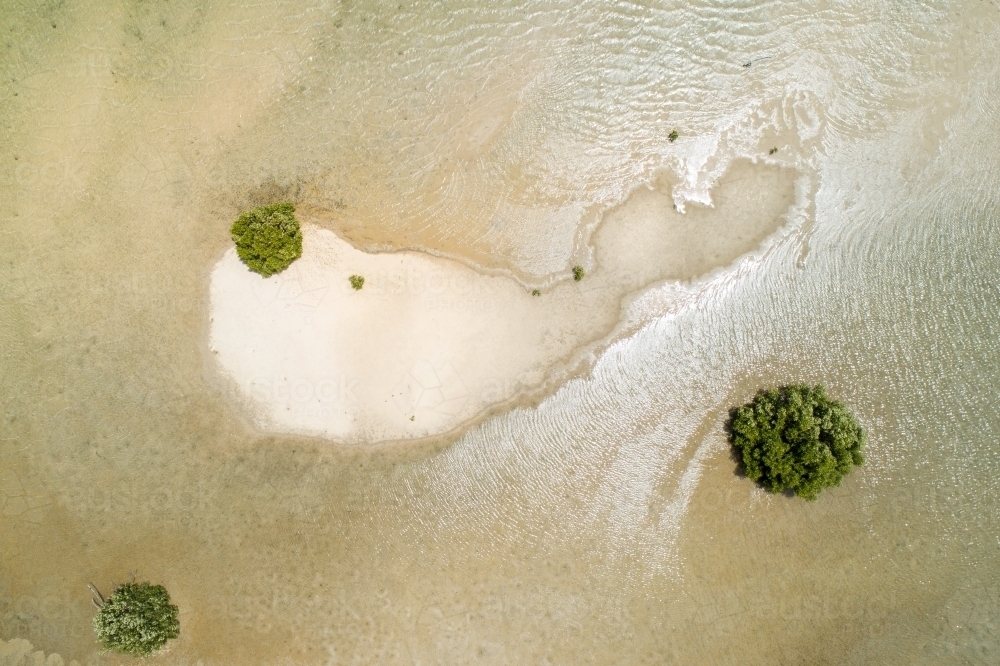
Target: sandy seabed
607 524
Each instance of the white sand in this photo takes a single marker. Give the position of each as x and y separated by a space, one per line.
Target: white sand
428 343
425 345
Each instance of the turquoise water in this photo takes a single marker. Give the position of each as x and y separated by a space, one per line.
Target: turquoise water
605 525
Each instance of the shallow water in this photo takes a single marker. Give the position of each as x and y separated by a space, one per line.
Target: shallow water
605 525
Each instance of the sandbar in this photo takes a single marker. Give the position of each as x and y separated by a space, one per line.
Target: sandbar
430 344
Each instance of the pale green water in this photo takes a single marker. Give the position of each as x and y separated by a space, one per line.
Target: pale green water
605 526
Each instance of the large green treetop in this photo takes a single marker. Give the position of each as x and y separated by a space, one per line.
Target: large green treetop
137 618
796 438
268 238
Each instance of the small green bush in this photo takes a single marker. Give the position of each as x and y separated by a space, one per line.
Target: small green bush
268 239
137 618
772 151
535 292
796 438
357 282
673 136
578 273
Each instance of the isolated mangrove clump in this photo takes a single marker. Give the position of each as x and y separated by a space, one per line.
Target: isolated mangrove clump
268 238
137 618
796 438
578 273
357 282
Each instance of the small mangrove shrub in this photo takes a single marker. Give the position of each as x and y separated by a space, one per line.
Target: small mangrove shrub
268 238
772 151
356 282
795 438
137 618
536 292
578 273
673 136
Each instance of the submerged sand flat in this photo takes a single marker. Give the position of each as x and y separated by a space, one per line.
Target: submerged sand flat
429 343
